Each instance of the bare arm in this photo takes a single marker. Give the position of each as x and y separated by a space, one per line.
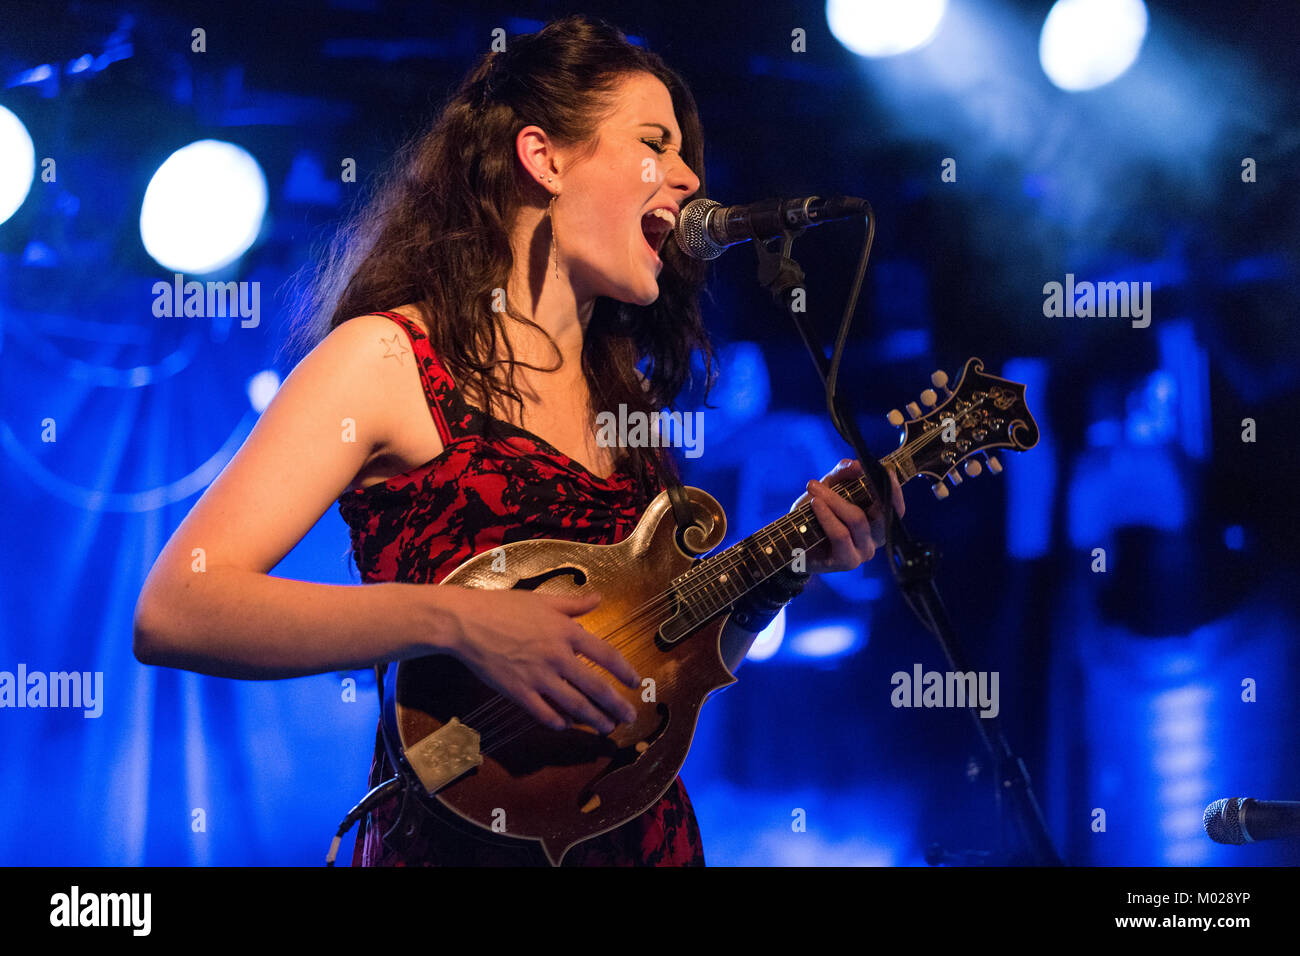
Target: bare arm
231 618
232 623
210 605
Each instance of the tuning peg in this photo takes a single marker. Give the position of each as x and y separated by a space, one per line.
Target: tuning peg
955 477
940 490
928 397
913 409
973 468
939 379
895 417
995 466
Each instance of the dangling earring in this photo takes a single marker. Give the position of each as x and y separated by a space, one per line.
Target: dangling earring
555 243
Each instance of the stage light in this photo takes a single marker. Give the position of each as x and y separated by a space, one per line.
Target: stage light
262 388
1178 731
203 208
17 163
884 27
1088 43
828 640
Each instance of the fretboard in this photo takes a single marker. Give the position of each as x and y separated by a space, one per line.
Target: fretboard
717 582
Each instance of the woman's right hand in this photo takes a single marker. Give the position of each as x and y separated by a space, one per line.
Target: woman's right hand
525 645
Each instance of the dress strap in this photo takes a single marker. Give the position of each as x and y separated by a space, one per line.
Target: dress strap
439 389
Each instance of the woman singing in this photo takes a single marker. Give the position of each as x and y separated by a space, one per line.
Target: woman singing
509 280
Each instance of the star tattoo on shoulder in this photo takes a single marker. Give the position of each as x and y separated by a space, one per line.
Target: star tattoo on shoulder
396 343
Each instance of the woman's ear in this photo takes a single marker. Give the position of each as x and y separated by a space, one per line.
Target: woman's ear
537 156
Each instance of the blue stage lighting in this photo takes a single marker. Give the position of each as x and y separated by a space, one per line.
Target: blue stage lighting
748 388
203 208
1178 731
884 27
831 639
1088 43
1031 484
17 163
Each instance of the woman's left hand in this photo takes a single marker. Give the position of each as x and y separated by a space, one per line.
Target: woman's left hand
852 534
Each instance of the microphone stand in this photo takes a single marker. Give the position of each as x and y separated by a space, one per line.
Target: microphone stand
912 562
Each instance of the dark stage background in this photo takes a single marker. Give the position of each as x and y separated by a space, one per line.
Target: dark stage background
1143 691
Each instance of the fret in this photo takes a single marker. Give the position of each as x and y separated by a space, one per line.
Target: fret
904 465
766 552
719 581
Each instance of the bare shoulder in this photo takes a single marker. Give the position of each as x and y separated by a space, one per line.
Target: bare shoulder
375 355
372 357
361 338
341 408
371 353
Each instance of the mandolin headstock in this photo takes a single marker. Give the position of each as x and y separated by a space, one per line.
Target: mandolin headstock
983 413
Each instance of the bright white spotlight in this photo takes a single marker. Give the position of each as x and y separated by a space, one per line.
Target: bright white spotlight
17 163
769 639
203 208
1088 43
884 27
262 388
829 640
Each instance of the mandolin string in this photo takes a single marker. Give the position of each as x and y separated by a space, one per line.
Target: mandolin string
513 721
666 599
660 603
496 715
507 721
504 716
509 716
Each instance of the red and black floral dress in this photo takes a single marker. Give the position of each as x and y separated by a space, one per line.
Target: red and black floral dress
418 527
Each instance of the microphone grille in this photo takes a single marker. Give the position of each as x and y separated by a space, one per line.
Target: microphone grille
692 236
1223 823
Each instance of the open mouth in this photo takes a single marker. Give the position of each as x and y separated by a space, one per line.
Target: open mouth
655 227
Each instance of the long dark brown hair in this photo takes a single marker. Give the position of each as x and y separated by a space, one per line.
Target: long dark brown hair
434 231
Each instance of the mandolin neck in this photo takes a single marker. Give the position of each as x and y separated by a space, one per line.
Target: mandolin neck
715 583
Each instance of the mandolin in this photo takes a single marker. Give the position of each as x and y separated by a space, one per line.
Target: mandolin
482 764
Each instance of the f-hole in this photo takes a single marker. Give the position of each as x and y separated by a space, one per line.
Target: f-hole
530 584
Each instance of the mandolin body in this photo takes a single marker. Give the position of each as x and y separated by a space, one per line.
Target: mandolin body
561 787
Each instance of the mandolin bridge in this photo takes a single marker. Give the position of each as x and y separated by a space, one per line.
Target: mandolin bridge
441 757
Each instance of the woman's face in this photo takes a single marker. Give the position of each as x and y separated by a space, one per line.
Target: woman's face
601 214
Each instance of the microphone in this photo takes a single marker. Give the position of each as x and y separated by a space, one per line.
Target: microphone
1239 820
705 229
